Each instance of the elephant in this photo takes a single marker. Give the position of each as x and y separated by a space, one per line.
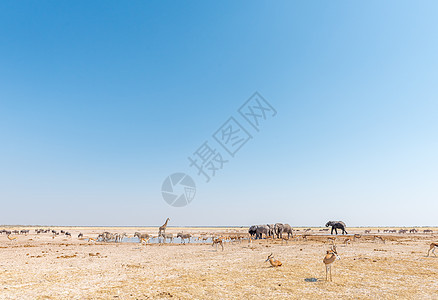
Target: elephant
260 230
281 228
271 231
278 229
337 225
252 230
287 229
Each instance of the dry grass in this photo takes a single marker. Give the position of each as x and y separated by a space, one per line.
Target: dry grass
39 267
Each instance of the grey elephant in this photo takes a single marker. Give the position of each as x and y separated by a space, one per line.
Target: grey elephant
271 231
262 229
252 230
278 229
287 229
336 225
281 228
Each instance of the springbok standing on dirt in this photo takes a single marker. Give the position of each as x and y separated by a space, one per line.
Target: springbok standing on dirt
330 258
433 246
273 262
378 237
218 241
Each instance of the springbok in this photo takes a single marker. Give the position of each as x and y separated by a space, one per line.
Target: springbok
433 246
274 263
218 241
330 258
331 239
378 237
144 240
13 238
284 239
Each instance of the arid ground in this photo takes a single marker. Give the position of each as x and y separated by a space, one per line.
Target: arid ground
41 267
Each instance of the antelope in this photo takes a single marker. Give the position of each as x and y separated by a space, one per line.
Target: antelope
144 240
368 231
218 241
274 263
80 235
268 237
356 236
13 238
433 246
347 241
332 239
376 237
284 238
329 258
203 238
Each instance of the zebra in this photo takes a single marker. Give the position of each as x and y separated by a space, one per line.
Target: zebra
184 236
142 236
166 236
119 237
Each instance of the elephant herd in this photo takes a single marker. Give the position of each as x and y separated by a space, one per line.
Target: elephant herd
272 230
277 229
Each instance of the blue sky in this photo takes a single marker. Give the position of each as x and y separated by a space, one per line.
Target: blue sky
99 102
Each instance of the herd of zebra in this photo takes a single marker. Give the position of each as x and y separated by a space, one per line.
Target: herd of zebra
8 232
142 237
37 231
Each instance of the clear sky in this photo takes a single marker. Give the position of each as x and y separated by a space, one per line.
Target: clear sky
101 101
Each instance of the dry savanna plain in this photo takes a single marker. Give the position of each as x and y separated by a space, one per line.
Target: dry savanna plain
44 266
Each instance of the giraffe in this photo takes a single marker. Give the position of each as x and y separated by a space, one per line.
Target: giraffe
162 229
